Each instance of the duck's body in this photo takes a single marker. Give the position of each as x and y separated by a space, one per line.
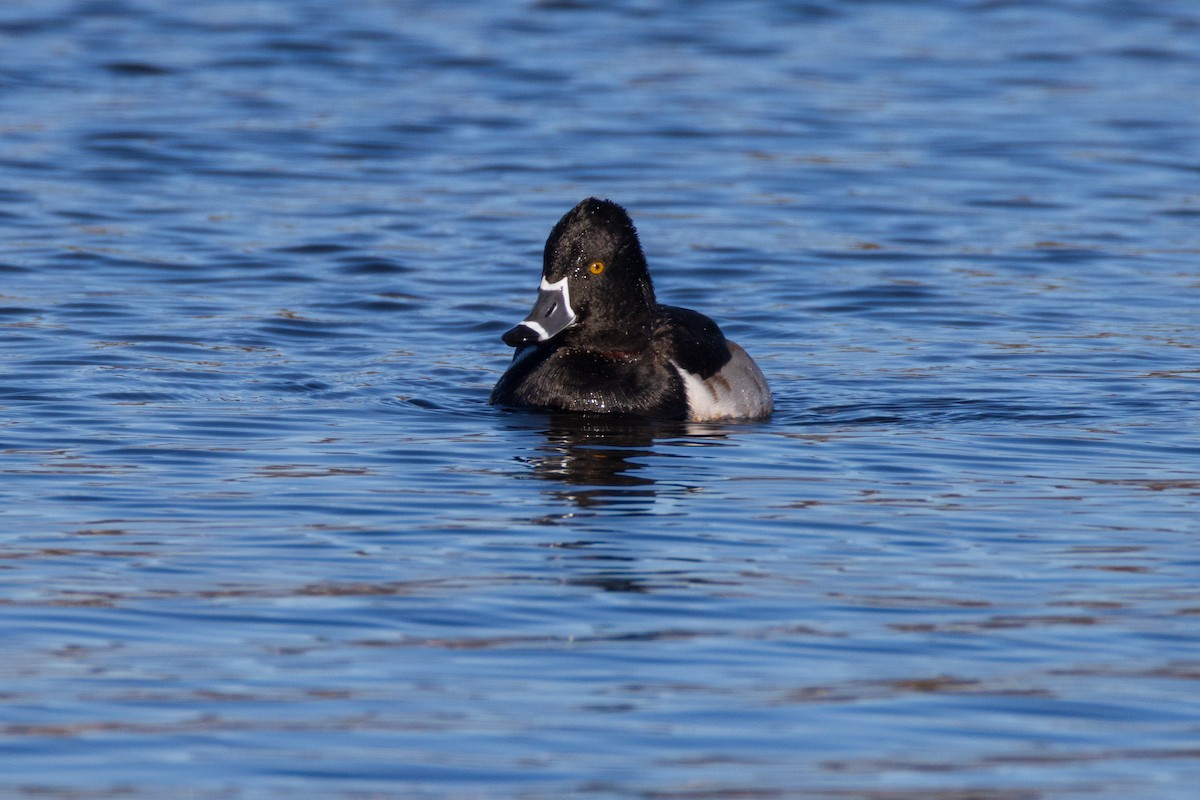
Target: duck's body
597 341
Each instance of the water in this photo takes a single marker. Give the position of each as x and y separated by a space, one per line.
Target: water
263 538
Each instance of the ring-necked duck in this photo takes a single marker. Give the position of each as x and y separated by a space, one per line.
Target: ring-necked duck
596 339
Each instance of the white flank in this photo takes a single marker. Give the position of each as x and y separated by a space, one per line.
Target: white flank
737 391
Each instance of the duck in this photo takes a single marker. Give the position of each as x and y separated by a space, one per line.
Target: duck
598 341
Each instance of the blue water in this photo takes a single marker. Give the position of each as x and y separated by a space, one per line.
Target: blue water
262 537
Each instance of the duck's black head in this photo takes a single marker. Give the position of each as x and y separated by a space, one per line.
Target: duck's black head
596 292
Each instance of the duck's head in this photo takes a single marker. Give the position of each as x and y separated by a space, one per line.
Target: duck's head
596 291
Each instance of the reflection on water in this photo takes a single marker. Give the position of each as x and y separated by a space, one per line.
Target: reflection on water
586 450
603 459
261 536
602 468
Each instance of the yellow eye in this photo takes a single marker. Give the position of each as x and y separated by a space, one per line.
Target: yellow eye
596 267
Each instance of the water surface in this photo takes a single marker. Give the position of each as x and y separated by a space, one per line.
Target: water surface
262 537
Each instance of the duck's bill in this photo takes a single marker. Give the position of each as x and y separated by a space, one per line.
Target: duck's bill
551 315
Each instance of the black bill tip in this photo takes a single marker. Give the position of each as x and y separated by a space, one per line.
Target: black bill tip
520 335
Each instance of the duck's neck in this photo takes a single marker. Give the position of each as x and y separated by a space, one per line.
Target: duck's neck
621 339
623 328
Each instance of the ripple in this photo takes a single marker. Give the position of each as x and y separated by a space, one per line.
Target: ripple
262 529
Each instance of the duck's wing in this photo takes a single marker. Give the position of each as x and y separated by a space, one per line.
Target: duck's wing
720 378
696 344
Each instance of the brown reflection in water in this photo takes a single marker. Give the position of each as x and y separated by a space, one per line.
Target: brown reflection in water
1184 671
1039 758
307 471
72 598
209 723
858 691
538 641
998 622
575 641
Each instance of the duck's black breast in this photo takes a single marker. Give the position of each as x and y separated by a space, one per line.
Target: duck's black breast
684 347
563 378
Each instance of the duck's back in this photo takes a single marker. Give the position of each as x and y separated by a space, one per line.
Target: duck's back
688 371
